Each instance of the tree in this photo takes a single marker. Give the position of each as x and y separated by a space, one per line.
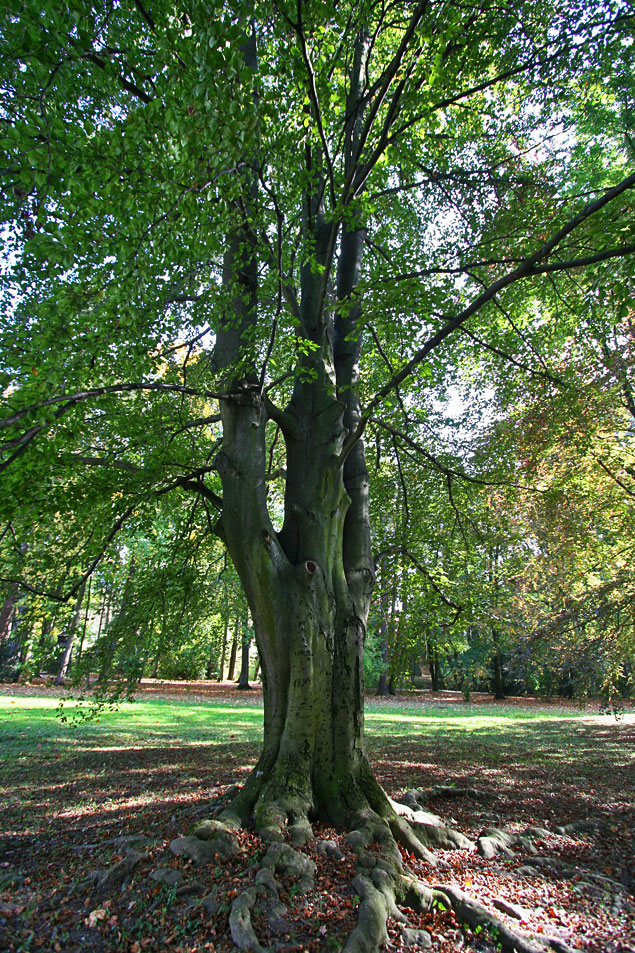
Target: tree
240 233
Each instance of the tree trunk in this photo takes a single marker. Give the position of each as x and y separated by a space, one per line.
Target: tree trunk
382 685
435 675
382 682
243 679
308 589
498 675
6 612
70 638
83 635
232 655
223 654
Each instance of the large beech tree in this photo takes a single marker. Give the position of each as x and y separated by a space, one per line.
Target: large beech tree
243 237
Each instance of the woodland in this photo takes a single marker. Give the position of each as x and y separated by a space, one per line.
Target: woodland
316 355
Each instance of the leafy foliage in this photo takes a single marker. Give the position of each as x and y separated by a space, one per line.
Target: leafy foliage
490 175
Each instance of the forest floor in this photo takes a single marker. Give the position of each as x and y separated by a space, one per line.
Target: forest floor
75 794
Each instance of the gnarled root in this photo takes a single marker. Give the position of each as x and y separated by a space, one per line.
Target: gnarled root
476 915
386 888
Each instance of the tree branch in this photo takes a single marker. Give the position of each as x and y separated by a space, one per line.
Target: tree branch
532 265
109 389
69 595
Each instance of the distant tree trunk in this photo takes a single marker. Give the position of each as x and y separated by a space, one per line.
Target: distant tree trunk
497 682
382 685
104 615
83 635
435 674
232 655
223 653
70 638
243 680
6 612
498 675
162 638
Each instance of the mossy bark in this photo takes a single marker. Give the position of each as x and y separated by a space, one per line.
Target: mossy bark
309 605
309 585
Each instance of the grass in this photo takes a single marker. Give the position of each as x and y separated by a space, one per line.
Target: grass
68 788
31 732
33 723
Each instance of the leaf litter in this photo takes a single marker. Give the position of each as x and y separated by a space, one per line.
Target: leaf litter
575 885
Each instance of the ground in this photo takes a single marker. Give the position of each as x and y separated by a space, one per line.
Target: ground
72 797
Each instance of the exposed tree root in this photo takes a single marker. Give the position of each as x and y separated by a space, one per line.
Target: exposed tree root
382 881
475 914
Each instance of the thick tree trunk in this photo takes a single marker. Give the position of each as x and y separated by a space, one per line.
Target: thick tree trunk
308 630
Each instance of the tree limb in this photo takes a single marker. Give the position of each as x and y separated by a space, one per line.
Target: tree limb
532 265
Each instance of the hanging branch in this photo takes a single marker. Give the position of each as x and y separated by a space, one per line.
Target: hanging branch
81 395
55 596
442 468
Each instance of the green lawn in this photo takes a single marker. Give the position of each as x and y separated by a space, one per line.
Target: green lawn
67 788
31 729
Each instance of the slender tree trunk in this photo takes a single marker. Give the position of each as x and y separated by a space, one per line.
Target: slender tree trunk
234 649
223 654
70 638
243 679
382 685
